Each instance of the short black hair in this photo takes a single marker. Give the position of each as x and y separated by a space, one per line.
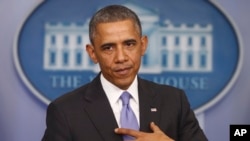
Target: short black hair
112 13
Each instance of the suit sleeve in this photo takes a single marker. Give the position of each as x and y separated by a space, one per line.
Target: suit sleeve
189 125
57 127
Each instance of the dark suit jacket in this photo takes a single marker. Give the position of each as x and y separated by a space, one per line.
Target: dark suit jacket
86 115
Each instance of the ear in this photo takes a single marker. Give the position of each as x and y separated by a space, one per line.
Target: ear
91 51
144 44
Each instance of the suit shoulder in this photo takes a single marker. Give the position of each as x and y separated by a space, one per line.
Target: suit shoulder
71 96
156 86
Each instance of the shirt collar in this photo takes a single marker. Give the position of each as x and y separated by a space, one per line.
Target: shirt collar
113 92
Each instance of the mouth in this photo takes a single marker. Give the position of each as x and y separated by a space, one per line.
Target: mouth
123 71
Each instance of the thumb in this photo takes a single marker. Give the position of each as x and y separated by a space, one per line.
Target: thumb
157 130
154 127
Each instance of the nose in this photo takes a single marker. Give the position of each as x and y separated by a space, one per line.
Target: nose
121 55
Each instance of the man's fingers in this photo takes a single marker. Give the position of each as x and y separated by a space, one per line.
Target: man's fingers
130 132
154 127
157 134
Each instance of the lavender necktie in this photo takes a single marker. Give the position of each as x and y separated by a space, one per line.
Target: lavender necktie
128 118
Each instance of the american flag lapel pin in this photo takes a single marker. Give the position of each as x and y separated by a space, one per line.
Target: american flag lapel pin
153 109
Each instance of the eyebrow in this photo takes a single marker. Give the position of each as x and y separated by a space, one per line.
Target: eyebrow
112 44
129 40
107 44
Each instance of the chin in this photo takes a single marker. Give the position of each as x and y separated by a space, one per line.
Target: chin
124 83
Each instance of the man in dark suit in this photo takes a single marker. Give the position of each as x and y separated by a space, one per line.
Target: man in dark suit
93 111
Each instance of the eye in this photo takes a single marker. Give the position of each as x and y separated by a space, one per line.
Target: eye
130 44
107 47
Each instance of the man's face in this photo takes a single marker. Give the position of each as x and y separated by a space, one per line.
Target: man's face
118 48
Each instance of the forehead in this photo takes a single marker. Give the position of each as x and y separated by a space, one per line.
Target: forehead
114 29
125 23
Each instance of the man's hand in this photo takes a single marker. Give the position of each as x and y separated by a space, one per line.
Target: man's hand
157 134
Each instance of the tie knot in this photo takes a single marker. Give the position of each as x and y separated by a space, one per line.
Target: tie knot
125 98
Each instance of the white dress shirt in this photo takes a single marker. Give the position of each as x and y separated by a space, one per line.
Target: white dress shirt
113 94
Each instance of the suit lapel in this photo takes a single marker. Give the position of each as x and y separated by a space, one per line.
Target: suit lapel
100 112
149 105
